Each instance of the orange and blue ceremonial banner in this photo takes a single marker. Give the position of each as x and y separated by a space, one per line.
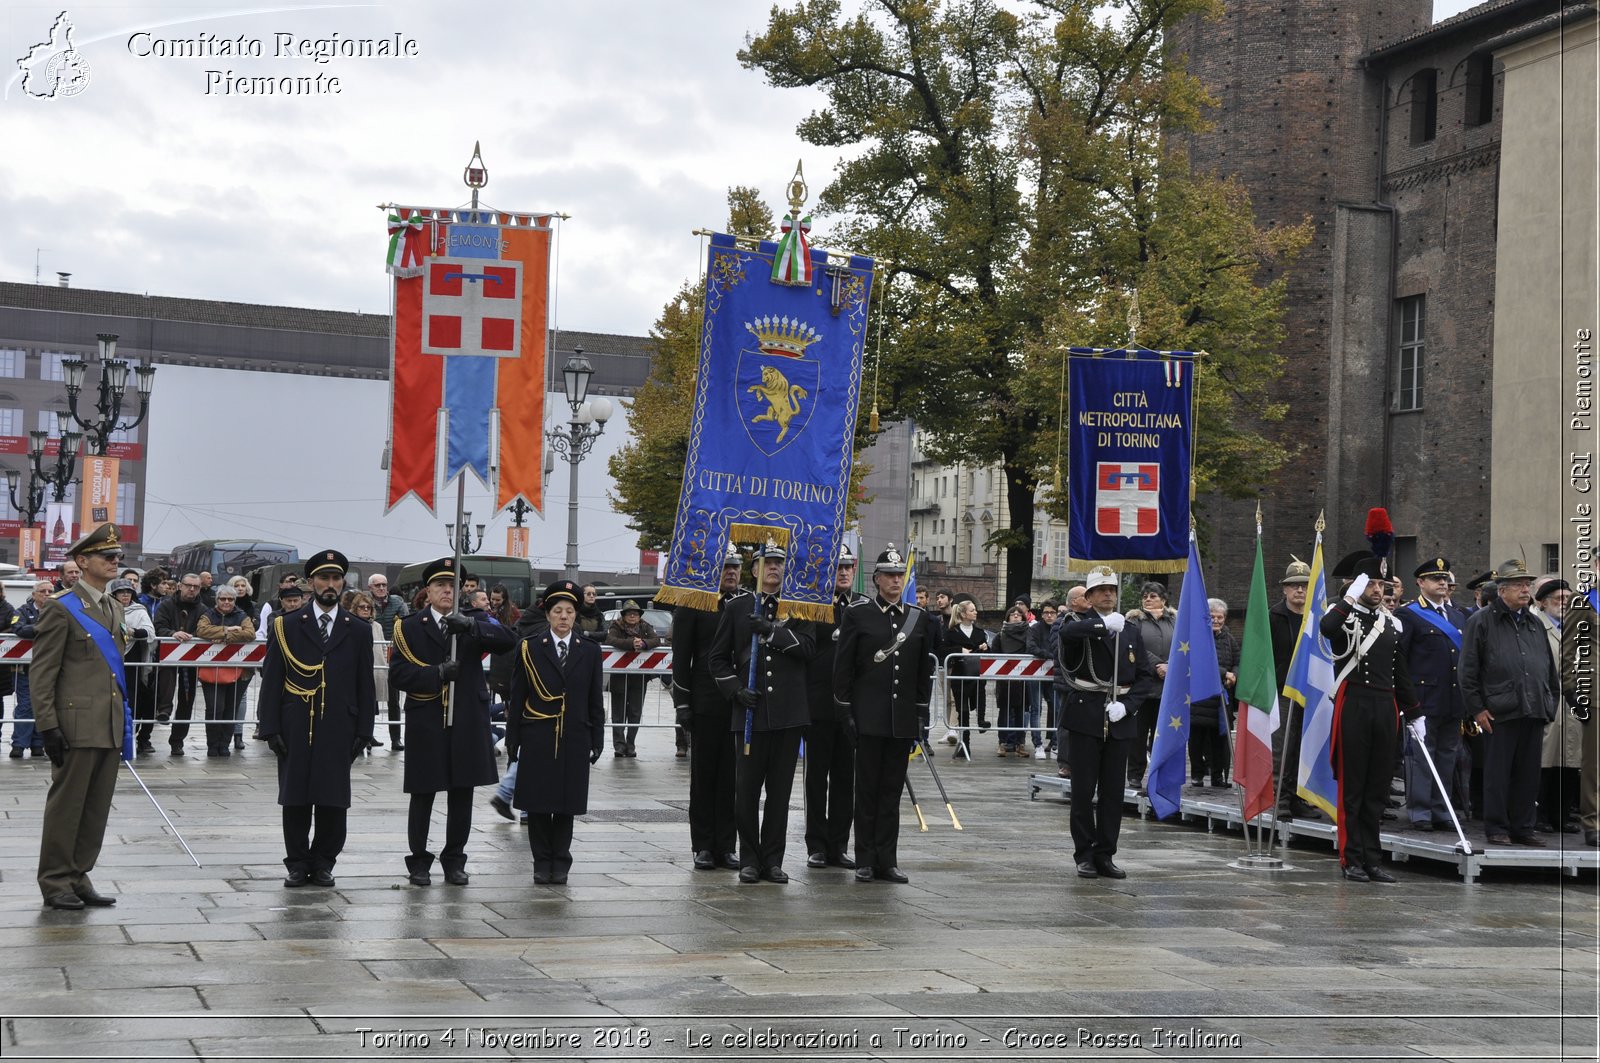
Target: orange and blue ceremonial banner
467 351
1130 444
772 436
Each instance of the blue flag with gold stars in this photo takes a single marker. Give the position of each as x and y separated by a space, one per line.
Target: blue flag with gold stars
1192 675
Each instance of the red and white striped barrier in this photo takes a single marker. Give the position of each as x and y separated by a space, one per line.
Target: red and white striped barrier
645 662
1006 666
197 652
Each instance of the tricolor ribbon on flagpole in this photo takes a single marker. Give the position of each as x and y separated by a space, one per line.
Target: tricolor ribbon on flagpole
792 264
406 246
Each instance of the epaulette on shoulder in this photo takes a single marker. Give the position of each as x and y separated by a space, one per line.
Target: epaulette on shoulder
859 602
62 593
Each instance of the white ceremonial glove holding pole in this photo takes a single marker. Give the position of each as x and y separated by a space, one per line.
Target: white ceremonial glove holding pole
1115 711
1419 728
1114 622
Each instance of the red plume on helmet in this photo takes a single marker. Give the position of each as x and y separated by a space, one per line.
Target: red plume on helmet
1380 533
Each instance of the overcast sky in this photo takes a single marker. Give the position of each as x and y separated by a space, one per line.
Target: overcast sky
632 115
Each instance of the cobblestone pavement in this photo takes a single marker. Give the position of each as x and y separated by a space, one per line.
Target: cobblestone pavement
995 950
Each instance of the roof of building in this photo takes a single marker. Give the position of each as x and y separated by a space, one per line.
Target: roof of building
1495 14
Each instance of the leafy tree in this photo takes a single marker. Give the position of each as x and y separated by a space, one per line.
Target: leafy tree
1009 172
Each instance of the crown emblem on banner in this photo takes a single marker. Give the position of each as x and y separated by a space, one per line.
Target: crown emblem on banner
782 336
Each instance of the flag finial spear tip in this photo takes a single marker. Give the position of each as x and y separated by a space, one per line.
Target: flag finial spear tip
1322 522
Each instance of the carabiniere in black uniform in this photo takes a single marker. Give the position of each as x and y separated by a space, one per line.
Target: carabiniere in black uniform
779 716
1374 683
830 748
882 681
702 710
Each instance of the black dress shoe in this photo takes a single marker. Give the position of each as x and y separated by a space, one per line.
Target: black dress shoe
704 861
322 877
1357 874
420 878
399 746
177 751
776 874
1533 841
1498 839
816 860
1378 874
374 743
296 878
841 861
1109 869
729 861
1086 869
238 742
502 806
864 874
96 900
541 879
749 874
892 874
456 877
66 901
16 752
558 878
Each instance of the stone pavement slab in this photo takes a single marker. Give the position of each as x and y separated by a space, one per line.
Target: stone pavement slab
995 950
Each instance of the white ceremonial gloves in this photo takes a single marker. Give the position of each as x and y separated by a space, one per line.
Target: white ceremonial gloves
1357 587
1114 622
1419 728
1116 710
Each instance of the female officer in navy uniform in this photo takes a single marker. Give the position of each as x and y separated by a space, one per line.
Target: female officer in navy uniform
438 662
555 729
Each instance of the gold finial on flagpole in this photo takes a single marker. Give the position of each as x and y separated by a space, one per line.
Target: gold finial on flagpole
797 189
1322 524
1135 319
1258 518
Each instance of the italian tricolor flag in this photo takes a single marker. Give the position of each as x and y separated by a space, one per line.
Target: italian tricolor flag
1257 694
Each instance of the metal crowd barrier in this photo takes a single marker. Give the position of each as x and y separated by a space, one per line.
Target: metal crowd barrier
1000 669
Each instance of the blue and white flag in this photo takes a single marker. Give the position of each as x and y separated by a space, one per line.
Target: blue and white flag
1310 685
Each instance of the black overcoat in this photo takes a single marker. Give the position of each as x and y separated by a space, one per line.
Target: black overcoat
887 697
440 757
320 699
555 721
780 671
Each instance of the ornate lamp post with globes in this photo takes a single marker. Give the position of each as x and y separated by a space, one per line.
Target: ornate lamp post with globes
589 417
112 390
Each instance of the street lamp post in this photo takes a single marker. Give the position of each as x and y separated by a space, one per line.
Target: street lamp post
463 543
589 417
112 390
57 473
30 502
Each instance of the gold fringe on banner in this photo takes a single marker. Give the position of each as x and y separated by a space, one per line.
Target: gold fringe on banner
821 611
758 534
1178 564
707 600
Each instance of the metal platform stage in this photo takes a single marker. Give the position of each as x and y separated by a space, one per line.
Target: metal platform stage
1219 807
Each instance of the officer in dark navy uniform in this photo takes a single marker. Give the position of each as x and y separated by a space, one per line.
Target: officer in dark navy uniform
1430 641
1373 683
772 709
1101 656
702 710
882 680
316 708
830 747
438 662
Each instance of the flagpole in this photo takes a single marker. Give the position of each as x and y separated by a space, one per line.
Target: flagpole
1257 857
1283 835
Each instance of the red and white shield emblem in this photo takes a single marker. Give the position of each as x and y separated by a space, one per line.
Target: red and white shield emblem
1127 498
473 306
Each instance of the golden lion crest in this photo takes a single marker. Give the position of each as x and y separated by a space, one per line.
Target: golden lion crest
782 398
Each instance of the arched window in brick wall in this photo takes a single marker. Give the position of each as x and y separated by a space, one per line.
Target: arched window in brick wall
1424 105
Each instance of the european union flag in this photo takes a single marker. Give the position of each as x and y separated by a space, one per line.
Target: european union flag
1192 676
